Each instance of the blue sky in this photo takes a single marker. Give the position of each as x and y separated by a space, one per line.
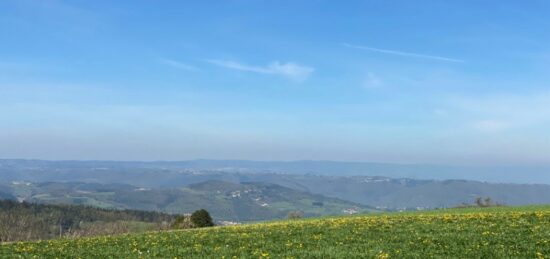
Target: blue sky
441 82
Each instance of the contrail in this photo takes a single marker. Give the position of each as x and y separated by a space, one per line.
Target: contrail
401 53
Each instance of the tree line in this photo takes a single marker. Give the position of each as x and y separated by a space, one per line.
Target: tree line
30 221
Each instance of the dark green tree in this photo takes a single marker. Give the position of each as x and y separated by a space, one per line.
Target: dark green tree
201 218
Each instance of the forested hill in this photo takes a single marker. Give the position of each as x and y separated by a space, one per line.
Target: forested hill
29 221
226 201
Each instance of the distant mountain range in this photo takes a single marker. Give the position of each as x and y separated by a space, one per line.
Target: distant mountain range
349 183
495 174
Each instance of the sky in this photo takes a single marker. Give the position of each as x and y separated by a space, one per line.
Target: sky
438 82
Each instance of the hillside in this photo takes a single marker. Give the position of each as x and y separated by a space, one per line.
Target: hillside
368 189
26 221
225 201
405 193
466 233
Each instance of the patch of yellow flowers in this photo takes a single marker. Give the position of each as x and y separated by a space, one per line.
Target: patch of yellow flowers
493 233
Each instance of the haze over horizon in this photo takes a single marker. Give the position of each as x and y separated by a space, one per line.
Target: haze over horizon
423 82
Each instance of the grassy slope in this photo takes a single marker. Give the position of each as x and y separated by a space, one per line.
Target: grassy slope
214 196
522 232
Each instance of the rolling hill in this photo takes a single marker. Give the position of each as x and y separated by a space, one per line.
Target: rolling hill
368 190
465 233
225 201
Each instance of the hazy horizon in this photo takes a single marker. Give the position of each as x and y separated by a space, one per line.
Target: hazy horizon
441 172
273 160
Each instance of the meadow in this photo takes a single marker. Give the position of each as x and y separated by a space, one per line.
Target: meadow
505 232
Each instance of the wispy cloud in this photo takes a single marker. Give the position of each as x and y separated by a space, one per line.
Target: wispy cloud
372 81
178 65
510 112
288 70
402 53
490 125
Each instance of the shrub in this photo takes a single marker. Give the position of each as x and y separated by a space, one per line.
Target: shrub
487 202
183 222
295 215
317 203
201 218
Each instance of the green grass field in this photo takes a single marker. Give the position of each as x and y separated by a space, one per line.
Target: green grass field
522 232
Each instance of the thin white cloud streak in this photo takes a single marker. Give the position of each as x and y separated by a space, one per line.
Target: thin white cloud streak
401 53
504 112
288 70
178 65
